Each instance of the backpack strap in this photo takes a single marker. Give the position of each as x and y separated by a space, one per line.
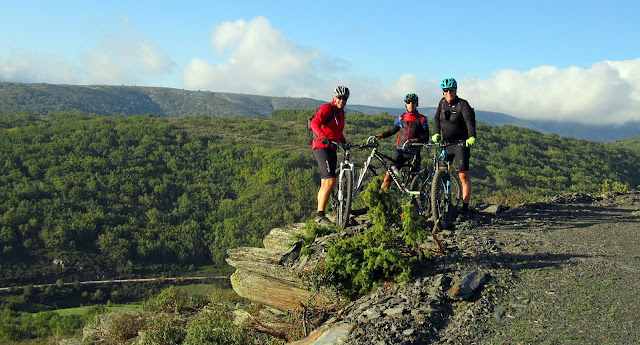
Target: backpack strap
333 115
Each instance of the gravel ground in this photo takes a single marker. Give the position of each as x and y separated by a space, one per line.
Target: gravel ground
563 271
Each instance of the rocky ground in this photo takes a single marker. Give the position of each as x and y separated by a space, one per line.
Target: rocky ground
562 271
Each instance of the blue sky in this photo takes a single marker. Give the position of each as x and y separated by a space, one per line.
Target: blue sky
566 60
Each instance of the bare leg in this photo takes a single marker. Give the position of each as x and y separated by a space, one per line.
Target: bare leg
326 186
387 181
465 178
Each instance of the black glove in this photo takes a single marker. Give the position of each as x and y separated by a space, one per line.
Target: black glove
326 141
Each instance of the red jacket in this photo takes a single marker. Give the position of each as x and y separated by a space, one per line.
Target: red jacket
324 126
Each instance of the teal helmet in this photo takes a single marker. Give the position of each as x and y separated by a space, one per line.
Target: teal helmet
448 83
411 98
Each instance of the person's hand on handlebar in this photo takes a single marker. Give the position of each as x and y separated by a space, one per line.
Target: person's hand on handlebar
469 142
408 144
328 142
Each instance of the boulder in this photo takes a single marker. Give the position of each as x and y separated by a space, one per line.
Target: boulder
263 275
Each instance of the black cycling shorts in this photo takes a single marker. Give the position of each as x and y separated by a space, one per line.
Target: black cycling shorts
327 160
461 155
404 158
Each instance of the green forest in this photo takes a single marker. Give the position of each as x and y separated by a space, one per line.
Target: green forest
132 196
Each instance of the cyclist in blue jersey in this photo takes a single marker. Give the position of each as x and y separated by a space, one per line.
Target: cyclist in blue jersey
410 126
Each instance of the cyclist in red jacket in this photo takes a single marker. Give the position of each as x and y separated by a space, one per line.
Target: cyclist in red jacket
327 126
410 126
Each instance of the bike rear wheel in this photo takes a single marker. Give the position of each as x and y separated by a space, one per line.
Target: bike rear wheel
441 206
345 189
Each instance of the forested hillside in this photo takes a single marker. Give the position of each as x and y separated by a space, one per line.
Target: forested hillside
110 100
129 195
121 100
631 143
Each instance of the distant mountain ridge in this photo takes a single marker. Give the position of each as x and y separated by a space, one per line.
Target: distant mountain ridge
112 100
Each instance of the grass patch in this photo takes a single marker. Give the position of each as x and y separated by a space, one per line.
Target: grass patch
80 311
201 289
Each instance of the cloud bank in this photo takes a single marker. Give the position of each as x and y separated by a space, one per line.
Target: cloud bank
608 92
122 59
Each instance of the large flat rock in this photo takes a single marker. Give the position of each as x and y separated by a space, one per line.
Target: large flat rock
263 275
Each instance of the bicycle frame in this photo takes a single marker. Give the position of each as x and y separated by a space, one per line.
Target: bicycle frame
384 159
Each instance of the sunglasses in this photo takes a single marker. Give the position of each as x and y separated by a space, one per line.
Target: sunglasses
343 98
410 102
448 90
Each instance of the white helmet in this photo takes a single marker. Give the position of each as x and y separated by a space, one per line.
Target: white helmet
341 92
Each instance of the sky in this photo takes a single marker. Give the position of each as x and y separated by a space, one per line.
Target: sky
546 60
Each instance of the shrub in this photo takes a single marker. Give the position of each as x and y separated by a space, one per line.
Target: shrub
125 325
313 230
163 329
214 327
169 300
360 262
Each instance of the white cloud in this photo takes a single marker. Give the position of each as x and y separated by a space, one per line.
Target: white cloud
608 92
24 66
126 60
259 59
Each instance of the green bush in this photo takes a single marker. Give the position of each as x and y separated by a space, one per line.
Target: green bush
313 230
169 300
163 329
126 325
215 327
359 263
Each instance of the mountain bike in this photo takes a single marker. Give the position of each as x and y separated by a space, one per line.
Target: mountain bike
444 197
402 178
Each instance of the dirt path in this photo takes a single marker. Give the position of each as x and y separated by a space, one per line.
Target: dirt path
565 271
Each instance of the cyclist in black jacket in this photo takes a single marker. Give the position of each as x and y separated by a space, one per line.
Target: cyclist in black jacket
410 126
455 120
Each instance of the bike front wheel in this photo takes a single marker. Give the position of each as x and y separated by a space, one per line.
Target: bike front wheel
456 190
422 183
345 190
441 206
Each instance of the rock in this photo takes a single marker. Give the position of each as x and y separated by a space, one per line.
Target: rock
283 238
262 274
464 287
394 311
327 335
495 209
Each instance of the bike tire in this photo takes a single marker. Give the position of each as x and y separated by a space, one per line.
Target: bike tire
344 201
456 190
422 184
441 207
